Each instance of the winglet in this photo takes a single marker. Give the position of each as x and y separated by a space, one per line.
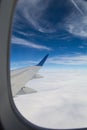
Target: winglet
42 61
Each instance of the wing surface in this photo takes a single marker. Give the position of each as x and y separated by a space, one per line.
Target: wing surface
20 77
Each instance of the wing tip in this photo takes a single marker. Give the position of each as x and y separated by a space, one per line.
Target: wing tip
43 60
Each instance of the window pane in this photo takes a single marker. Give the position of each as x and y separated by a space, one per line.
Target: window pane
48 62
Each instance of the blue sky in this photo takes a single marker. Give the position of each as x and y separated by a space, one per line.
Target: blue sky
53 27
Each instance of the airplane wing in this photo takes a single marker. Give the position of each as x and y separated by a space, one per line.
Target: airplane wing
20 77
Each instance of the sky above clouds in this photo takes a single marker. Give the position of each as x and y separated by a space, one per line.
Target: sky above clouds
49 27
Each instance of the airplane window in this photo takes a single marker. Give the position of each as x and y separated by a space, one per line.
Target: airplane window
48 62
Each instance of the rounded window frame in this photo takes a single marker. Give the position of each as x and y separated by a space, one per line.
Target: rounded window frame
9 115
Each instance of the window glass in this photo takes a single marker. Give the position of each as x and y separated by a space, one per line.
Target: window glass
48 62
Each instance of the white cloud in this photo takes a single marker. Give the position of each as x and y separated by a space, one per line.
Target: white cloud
27 43
81 47
76 23
32 12
69 60
60 101
77 7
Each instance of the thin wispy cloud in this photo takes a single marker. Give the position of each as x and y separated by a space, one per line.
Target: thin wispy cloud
20 41
69 60
77 24
77 7
33 15
81 47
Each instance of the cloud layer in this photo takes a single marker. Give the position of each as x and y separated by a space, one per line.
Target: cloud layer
60 101
69 60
